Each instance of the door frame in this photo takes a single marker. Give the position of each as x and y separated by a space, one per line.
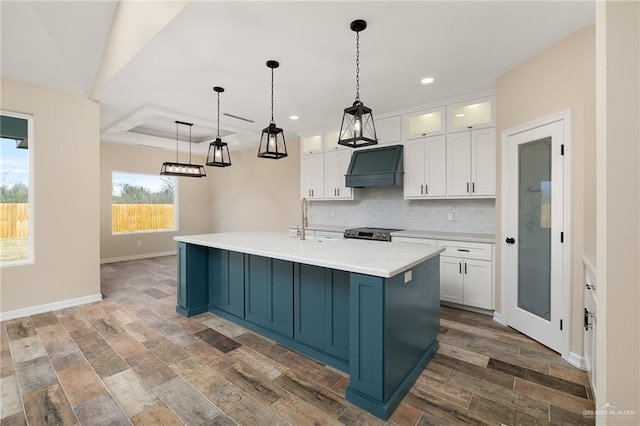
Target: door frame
566 118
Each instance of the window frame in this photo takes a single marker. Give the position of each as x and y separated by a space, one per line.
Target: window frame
30 260
176 221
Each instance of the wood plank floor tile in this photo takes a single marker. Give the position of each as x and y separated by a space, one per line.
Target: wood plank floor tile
485 332
405 415
35 374
130 392
473 370
571 374
80 383
141 331
166 350
217 340
306 367
125 345
445 391
209 356
525 342
436 371
186 402
354 416
484 341
27 349
262 390
539 365
341 387
441 412
4 339
108 364
493 410
74 322
312 393
151 368
453 341
242 409
553 396
106 326
560 416
500 394
198 375
43 320
298 412
225 327
101 410
49 406
20 328
157 414
261 364
539 378
463 355
154 292
64 355
53 334
17 419
6 363
10 400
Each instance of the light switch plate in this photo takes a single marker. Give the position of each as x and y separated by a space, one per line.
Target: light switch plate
450 216
408 276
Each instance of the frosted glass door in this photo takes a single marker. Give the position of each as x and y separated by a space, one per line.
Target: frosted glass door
534 228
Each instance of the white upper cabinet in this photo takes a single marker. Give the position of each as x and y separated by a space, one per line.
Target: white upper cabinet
474 114
312 176
331 140
311 144
425 168
389 130
423 123
471 164
336 164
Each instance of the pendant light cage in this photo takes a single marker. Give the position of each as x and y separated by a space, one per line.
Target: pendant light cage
218 155
358 128
272 143
182 169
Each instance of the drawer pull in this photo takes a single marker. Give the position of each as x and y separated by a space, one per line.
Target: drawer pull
466 250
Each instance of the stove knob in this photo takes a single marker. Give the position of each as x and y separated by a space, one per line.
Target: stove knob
384 235
378 235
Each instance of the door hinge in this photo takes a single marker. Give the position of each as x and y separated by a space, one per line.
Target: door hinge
560 325
562 149
562 237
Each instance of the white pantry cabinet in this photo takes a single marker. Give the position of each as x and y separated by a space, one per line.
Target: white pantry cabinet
336 164
312 176
425 173
471 163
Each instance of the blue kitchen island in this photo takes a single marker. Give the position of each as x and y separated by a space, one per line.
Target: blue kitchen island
370 309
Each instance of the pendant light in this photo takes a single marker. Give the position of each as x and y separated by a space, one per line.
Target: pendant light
272 144
357 127
182 169
218 155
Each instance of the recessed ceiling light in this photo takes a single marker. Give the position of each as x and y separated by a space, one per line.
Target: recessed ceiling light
460 115
427 80
293 117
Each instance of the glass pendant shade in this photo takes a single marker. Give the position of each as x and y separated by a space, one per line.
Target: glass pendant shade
182 169
272 144
358 128
218 155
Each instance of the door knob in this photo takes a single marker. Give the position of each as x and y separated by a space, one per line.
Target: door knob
510 240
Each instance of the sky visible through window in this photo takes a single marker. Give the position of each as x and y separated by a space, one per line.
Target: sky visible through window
152 183
14 163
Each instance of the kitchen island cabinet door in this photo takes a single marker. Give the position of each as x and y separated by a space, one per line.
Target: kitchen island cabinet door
269 293
192 269
226 281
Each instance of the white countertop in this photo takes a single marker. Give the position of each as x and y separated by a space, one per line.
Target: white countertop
375 258
326 228
451 236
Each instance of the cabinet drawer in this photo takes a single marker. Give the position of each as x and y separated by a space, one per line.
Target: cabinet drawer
424 241
479 251
329 235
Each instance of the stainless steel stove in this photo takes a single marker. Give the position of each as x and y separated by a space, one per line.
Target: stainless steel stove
375 234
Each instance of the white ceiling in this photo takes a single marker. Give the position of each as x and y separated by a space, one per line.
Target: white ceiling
465 46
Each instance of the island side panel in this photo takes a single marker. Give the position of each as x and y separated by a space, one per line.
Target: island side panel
192 279
226 281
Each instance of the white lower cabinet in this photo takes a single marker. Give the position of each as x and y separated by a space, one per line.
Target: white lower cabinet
451 283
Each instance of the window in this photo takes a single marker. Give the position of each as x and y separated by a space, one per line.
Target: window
16 193
142 203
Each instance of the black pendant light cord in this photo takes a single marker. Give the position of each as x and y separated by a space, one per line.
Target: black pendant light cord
189 144
176 141
272 121
218 137
357 66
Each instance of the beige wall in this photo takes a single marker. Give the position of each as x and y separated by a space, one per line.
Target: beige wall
194 201
255 193
66 175
562 77
618 216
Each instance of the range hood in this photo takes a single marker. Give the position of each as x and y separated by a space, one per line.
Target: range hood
380 166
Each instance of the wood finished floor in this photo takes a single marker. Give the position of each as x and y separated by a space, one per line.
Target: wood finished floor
130 359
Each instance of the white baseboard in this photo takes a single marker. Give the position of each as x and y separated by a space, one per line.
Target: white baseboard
33 310
137 256
577 361
497 317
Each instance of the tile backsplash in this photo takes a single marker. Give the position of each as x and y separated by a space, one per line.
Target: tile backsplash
386 207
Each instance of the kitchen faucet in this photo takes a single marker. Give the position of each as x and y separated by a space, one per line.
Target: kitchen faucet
304 217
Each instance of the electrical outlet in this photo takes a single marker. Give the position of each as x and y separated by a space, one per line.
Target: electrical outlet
139 243
333 213
450 216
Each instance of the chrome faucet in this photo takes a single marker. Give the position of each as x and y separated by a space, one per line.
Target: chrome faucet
304 217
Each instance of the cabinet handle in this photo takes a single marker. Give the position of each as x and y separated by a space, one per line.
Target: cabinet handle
338 192
460 267
421 189
426 189
465 268
467 250
467 187
473 187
